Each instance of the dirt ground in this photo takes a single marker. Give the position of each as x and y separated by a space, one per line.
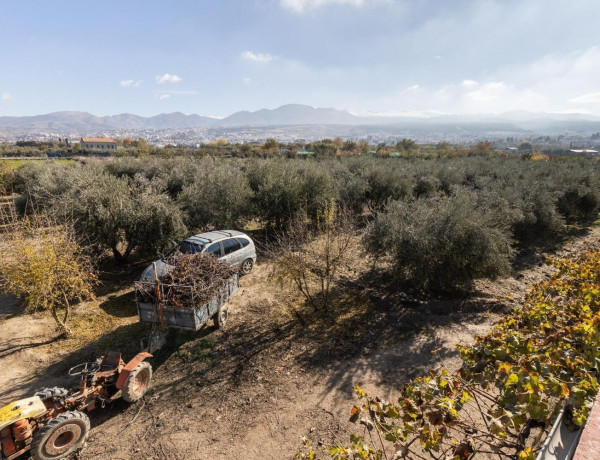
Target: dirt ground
252 390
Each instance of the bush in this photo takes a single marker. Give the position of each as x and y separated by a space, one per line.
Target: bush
218 198
43 262
441 243
122 215
283 188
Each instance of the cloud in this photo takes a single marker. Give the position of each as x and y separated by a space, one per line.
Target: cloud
164 96
586 98
257 57
413 89
469 83
129 83
300 6
7 97
168 78
246 80
179 92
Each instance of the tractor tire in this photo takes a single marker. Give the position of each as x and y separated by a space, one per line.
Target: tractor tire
246 267
61 436
50 393
138 382
220 317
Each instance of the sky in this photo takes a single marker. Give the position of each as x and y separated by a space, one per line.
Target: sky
215 57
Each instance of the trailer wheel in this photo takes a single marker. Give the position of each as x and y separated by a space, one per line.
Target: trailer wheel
220 317
138 382
61 436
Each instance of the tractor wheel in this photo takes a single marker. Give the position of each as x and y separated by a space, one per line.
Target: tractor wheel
138 382
220 317
61 436
246 267
49 393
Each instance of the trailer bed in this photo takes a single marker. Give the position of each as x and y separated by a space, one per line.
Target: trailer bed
191 318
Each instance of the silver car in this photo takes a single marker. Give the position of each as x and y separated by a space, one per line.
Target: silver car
235 248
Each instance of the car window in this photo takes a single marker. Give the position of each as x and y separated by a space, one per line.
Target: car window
185 247
244 242
231 245
214 248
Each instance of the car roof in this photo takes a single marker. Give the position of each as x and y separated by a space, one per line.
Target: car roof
215 235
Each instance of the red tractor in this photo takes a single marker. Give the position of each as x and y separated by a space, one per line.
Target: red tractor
52 424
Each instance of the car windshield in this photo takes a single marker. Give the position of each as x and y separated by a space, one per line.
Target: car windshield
185 247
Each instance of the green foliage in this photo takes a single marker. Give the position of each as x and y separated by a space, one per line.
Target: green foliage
282 188
516 377
120 214
219 197
441 243
535 200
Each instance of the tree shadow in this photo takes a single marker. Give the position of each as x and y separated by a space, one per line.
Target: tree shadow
377 330
120 306
13 346
114 276
10 306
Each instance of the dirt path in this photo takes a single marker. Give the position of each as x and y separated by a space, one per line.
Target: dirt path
252 390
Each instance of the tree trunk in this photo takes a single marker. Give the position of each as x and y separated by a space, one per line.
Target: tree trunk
122 257
62 323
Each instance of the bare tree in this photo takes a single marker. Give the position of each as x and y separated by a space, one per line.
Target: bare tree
311 258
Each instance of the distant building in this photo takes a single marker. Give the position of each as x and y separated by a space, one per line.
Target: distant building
98 144
584 151
587 153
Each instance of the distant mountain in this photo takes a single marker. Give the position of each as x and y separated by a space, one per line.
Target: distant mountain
82 123
290 114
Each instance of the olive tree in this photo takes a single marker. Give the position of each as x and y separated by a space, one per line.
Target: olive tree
441 243
121 214
220 197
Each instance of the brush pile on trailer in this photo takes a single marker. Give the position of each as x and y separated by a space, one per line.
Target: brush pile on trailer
194 289
199 275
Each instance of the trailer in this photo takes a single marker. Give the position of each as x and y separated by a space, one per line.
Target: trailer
155 304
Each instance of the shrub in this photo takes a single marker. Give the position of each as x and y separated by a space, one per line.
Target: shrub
579 203
43 262
7 177
441 243
218 198
386 184
282 188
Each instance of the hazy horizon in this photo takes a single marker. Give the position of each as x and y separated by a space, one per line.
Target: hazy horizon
369 57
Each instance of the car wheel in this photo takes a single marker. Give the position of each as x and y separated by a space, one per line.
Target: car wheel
246 266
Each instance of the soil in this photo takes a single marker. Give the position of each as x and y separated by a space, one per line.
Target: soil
253 389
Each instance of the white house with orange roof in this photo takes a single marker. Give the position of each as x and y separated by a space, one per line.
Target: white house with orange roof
98 144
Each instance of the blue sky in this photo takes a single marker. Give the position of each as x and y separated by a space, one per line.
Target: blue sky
367 56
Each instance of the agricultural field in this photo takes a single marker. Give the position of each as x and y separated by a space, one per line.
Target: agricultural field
370 271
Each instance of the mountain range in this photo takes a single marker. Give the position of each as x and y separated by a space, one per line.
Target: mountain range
293 114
